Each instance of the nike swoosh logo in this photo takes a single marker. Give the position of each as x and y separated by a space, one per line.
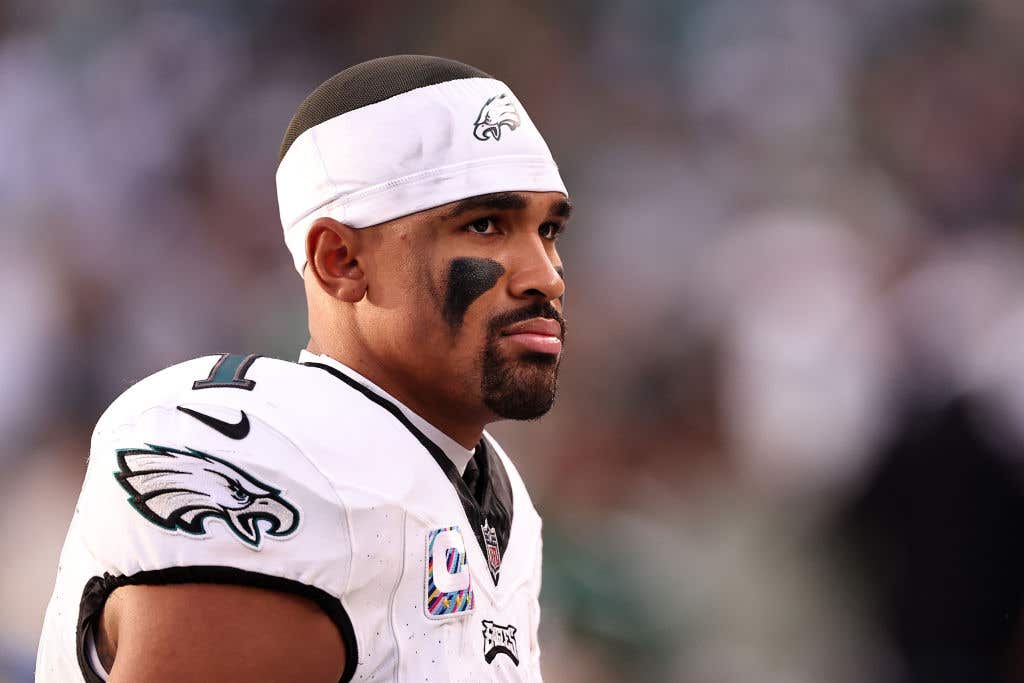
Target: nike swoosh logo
238 430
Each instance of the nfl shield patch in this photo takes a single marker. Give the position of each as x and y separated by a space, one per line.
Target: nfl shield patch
493 552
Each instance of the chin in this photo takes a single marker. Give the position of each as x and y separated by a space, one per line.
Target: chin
521 388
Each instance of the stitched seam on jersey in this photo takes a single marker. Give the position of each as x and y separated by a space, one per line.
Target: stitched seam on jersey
394 594
337 497
347 518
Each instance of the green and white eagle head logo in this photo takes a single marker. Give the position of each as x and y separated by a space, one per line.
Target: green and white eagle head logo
498 111
180 490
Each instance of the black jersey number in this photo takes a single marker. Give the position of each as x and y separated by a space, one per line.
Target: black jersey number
229 372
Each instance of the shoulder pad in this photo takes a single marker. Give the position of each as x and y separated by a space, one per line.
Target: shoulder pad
184 478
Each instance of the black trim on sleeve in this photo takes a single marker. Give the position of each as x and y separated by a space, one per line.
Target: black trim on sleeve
99 588
496 508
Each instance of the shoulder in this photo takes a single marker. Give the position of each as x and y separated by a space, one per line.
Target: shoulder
194 477
231 380
290 398
180 476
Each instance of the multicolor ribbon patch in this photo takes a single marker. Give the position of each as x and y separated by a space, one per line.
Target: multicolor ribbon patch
449 589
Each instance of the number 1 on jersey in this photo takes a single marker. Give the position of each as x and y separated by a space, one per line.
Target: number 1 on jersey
229 372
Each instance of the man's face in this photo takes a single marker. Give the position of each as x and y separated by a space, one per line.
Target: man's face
465 302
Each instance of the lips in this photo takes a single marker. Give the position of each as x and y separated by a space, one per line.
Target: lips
542 326
541 335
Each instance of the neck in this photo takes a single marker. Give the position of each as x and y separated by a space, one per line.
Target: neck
452 420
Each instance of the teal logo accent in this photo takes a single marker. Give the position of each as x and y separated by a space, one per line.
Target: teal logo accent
229 373
183 490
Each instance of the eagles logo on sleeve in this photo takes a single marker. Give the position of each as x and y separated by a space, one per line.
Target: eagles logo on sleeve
180 490
498 111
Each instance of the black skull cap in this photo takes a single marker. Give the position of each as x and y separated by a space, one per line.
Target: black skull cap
369 83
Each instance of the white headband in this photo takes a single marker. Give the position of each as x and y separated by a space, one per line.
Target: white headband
414 151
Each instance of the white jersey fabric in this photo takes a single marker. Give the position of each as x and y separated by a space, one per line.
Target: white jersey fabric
304 478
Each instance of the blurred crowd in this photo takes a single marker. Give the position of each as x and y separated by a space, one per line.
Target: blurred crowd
787 445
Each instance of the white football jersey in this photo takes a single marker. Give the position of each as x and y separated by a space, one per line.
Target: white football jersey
303 477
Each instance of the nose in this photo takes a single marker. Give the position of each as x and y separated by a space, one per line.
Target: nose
535 274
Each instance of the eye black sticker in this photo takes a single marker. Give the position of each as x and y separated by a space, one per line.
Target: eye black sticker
468 279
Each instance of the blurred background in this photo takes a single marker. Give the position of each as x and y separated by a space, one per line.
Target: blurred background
788 446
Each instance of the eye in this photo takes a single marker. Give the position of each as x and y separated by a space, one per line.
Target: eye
237 492
482 226
551 231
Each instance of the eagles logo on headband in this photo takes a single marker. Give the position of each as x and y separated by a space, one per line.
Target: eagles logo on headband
397 135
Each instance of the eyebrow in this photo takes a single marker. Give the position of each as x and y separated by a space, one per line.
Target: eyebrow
505 201
498 201
563 209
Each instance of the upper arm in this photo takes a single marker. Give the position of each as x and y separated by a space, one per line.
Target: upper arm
215 632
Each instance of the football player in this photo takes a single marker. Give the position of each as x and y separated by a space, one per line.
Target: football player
345 517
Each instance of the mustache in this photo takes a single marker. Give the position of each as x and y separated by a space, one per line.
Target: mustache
538 310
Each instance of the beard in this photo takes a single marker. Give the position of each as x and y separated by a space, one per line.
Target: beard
524 386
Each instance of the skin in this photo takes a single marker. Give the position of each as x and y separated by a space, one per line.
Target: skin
416 305
209 632
381 300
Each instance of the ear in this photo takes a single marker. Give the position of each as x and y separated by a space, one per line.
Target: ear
333 253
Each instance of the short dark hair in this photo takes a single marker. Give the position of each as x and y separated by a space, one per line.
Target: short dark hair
368 83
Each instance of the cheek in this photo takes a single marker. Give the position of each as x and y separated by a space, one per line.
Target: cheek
468 279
